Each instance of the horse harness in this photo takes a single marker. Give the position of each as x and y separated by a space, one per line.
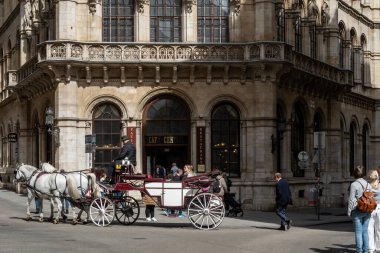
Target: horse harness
39 174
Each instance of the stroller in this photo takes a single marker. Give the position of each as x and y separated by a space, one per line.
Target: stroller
232 206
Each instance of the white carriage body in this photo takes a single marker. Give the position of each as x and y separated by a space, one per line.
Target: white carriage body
172 194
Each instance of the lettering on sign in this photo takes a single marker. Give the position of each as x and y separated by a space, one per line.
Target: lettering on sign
159 140
12 137
201 149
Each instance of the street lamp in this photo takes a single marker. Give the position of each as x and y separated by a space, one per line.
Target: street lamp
49 122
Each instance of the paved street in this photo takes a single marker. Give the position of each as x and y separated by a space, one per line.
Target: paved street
255 232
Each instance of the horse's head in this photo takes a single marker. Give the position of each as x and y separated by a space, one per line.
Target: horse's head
21 173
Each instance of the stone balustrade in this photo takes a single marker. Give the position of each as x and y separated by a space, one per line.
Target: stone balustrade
230 53
148 52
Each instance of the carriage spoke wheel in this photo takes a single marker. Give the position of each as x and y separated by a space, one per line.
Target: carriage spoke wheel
206 211
102 212
127 210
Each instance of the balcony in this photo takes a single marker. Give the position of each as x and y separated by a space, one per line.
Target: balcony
151 53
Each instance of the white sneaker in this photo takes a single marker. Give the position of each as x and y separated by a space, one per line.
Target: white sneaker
148 219
154 219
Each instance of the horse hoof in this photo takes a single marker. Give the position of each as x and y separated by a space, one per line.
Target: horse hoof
75 222
28 218
41 220
55 222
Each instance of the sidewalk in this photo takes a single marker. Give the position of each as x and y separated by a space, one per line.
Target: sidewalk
305 217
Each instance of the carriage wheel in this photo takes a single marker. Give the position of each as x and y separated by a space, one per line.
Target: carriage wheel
102 212
127 210
206 211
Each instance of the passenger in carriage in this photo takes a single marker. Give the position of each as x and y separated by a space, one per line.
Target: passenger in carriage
188 171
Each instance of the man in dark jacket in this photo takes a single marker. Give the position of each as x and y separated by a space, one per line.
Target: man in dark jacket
127 151
283 199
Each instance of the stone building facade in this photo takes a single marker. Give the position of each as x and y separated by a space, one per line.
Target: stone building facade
242 85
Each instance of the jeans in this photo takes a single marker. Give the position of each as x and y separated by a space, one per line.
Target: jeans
374 230
281 212
361 221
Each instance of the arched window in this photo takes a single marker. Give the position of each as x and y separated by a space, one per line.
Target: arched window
118 20
352 147
2 139
165 20
365 146
280 129
342 37
106 122
298 139
167 115
318 142
225 139
1 70
281 25
36 142
353 44
342 146
298 35
166 129
10 146
213 21
363 43
48 144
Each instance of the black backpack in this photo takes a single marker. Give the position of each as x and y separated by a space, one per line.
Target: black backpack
216 186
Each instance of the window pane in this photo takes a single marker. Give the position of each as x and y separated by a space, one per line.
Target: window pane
225 139
120 13
106 122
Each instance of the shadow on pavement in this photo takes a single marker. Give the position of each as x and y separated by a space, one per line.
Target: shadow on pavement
338 249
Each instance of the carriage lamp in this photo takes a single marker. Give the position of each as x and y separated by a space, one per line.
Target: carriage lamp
49 122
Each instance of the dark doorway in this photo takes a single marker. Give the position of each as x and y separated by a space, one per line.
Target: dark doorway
165 156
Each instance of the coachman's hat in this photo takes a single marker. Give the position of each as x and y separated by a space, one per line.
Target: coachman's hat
124 137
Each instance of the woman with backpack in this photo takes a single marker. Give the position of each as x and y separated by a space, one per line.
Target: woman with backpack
374 222
219 186
359 218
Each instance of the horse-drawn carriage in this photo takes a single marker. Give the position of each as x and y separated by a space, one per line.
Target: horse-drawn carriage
204 210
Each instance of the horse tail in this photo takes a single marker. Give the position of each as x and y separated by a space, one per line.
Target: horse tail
72 187
95 189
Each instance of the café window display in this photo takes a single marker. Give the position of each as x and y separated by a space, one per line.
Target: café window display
107 128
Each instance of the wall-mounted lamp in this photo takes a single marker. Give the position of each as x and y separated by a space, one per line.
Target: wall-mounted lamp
49 122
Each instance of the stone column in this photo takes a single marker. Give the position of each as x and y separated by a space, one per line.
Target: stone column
68 153
66 20
142 21
290 19
264 20
333 48
189 21
321 48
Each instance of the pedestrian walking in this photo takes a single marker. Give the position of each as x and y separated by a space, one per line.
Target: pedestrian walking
360 219
150 203
374 221
283 199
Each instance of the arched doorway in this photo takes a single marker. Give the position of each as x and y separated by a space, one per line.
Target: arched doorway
166 129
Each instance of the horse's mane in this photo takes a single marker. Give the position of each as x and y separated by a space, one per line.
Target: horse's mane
28 167
47 167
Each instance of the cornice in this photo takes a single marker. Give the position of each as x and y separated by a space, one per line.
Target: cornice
356 14
359 101
10 19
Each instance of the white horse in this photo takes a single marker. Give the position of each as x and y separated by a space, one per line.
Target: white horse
45 186
85 189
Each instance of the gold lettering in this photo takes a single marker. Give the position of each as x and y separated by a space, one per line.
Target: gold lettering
169 139
152 140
